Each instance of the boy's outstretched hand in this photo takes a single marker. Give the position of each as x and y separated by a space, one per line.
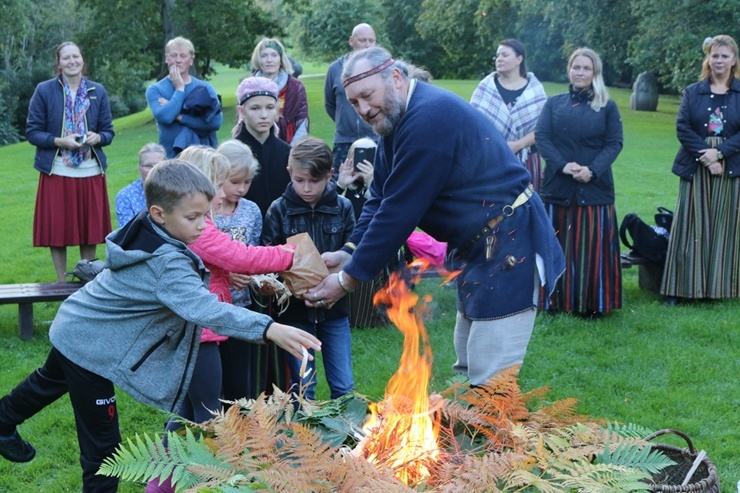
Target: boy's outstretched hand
292 340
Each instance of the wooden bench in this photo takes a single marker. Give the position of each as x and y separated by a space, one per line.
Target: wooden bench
649 274
25 295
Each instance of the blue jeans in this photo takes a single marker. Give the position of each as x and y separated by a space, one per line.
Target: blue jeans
336 348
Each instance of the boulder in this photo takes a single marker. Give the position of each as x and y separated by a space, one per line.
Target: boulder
645 93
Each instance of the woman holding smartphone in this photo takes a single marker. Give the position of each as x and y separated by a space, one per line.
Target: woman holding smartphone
356 173
69 122
353 182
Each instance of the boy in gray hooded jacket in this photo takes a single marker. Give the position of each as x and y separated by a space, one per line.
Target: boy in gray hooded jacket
136 325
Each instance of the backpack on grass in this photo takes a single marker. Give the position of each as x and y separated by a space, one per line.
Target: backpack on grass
650 242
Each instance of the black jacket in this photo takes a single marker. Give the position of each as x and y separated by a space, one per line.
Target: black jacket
568 130
691 128
273 175
329 224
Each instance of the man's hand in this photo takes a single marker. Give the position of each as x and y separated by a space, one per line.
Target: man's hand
326 293
335 260
176 77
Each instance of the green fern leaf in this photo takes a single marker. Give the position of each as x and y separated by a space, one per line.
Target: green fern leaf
630 430
635 456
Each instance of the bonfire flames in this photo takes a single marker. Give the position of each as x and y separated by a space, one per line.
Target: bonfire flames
401 433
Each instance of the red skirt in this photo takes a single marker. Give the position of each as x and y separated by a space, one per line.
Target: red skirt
71 211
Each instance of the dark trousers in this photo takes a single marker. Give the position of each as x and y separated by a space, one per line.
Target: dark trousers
204 393
94 405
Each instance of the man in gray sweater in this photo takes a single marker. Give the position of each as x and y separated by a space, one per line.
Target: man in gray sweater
349 127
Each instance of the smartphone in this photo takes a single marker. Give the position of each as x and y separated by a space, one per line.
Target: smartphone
81 139
364 154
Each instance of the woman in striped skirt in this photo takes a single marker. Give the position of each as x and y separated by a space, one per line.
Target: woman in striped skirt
580 136
704 250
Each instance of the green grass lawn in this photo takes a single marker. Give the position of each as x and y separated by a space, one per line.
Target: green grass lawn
657 366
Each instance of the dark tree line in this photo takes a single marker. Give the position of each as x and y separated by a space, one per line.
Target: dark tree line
123 40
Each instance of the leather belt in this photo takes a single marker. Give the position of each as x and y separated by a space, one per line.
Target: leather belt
506 211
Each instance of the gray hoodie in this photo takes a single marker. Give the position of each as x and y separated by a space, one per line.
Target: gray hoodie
138 322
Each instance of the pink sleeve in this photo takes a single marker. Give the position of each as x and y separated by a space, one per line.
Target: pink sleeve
424 246
218 249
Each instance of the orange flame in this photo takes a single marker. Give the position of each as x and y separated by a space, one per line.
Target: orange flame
400 433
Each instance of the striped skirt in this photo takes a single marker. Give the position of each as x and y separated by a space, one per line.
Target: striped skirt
703 258
592 281
362 312
534 166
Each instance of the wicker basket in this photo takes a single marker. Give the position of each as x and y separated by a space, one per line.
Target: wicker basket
704 479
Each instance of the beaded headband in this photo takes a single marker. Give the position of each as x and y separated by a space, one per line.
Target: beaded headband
252 94
372 71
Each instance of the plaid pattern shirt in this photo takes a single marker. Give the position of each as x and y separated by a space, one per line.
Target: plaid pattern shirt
517 121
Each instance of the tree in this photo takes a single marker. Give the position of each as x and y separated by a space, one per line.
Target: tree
553 30
122 46
452 26
222 30
128 37
400 36
674 53
496 20
322 27
29 31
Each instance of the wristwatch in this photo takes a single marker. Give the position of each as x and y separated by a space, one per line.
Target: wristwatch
720 156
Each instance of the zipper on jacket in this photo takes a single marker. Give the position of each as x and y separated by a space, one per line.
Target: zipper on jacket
194 340
92 148
149 352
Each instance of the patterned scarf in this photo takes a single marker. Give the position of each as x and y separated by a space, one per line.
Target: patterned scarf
74 122
516 122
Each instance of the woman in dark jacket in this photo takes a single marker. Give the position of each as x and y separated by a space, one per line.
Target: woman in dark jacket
580 136
704 248
69 122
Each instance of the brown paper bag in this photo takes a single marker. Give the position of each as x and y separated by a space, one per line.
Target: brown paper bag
308 267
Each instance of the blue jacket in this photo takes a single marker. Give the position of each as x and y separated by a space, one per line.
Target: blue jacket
46 121
348 125
691 128
447 169
166 115
329 224
138 323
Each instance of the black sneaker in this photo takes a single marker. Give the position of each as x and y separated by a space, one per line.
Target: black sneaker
16 449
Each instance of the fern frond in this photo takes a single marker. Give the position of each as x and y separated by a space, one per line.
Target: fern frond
640 457
522 478
629 430
148 459
585 476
